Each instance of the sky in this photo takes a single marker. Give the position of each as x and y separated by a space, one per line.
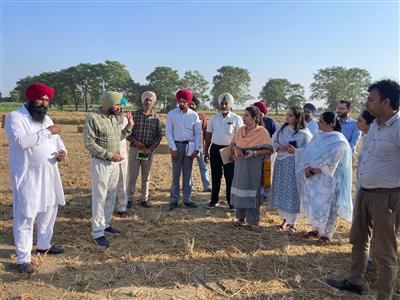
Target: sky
271 39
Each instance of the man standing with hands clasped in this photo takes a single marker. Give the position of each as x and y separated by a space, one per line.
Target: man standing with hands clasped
35 150
102 136
183 131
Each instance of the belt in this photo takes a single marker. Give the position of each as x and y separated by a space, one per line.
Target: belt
182 142
381 190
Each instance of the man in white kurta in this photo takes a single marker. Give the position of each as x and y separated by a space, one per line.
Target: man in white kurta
35 150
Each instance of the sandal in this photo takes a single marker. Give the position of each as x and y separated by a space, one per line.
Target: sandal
311 234
323 241
292 230
238 223
282 226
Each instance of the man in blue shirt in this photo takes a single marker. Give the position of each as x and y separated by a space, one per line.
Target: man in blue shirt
349 125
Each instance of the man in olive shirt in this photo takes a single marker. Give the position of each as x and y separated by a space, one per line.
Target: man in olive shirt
102 136
377 208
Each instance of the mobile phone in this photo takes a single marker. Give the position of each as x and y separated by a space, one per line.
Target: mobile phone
293 143
141 156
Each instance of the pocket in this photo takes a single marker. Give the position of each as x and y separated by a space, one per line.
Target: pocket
394 202
229 128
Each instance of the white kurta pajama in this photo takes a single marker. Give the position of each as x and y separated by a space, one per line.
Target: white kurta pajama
35 179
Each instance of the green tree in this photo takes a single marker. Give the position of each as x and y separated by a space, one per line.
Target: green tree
339 83
164 81
233 80
196 82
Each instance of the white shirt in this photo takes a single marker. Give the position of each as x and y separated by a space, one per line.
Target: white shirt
183 126
35 178
380 163
224 129
123 150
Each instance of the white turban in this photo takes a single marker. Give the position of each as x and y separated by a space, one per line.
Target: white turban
150 95
226 96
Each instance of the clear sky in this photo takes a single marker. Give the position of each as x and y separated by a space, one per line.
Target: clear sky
272 39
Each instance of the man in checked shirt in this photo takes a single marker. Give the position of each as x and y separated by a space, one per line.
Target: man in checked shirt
145 138
102 136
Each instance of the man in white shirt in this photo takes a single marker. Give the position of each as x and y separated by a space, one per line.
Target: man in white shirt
309 111
35 150
220 131
183 131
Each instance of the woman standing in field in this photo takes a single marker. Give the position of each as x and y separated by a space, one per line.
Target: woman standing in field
291 137
250 146
325 188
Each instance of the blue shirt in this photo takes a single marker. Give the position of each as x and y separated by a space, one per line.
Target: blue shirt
312 126
351 132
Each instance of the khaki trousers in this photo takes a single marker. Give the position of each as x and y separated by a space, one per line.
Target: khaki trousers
378 212
133 169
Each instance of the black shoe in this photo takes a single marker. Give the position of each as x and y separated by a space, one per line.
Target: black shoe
173 205
190 204
207 190
212 205
231 208
345 285
25 268
122 214
112 231
53 250
129 204
102 242
145 204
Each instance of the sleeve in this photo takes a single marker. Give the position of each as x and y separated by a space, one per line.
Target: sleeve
273 127
210 127
239 123
355 138
169 132
61 146
15 132
197 132
89 139
158 136
127 129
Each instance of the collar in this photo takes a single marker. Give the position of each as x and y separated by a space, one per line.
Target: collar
229 114
388 122
349 119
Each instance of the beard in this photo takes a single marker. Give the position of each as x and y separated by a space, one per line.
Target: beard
38 113
118 115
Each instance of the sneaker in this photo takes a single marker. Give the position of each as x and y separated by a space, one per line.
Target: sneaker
212 205
53 250
122 214
173 205
208 190
25 268
145 204
345 285
129 204
102 242
112 231
231 208
190 204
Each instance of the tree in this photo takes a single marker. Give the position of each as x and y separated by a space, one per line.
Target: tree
196 82
164 81
233 80
338 83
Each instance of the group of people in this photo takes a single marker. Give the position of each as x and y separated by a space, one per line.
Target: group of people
309 162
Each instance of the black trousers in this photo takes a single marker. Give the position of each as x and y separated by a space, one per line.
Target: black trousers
217 169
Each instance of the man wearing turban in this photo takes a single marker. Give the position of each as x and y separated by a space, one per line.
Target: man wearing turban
102 138
36 149
183 131
220 131
268 122
145 138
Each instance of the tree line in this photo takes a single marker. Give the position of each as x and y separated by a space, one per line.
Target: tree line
82 85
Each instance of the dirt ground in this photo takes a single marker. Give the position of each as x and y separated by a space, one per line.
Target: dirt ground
184 254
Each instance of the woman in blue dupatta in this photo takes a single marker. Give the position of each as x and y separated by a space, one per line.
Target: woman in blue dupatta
326 169
287 141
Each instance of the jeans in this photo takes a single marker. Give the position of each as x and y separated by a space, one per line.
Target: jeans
205 179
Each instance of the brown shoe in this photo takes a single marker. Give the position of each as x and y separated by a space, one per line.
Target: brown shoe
145 204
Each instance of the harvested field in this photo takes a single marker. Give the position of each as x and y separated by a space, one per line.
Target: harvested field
184 254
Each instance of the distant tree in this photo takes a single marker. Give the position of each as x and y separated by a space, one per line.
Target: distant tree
233 80
295 95
164 81
196 82
338 83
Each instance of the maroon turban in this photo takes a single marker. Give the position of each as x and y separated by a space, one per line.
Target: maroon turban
262 107
184 94
37 90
